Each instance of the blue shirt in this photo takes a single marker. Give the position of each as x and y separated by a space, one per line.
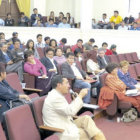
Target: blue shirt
7 58
128 81
51 25
62 25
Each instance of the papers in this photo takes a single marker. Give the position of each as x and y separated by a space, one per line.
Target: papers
42 78
132 92
90 106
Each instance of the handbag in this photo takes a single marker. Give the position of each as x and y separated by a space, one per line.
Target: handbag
17 102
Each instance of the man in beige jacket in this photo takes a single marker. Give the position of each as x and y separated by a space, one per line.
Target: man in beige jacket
58 113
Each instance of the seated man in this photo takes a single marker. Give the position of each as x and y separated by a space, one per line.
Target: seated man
23 20
11 64
102 59
58 113
50 24
81 79
64 24
89 45
48 61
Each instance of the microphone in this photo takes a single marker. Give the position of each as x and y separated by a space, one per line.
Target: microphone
73 93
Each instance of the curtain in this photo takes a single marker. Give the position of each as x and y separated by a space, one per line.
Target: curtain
0 2
24 6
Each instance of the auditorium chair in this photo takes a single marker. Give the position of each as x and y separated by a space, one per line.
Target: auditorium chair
29 80
113 59
135 57
2 134
121 57
137 68
116 104
20 125
129 58
13 80
40 52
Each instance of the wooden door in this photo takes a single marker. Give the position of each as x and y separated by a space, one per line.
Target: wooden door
9 6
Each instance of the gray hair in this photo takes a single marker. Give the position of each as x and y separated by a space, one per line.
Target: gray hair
101 49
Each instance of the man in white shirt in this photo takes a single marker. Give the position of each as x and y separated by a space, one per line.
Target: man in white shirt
122 26
39 41
58 113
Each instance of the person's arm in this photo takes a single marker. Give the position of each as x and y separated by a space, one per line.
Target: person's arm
43 68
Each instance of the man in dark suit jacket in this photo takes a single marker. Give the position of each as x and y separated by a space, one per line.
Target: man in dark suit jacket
48 61
102 59
72 71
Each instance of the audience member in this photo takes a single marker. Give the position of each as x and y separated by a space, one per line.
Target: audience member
102 59
9 21
102 24
62 43
67 50
64 24
79 45
124 76
47 41
38 24
2 23
129 20
35 17
117 19
118 87
48 61
53 44
30 47
39 41
122 26
107 51
113 49
13 64
34 67
134 26
138 20
112 26
95 48
88 46
94 24
51 17
50 24
23 20
59 19
70 20
7 93
57 106
59 57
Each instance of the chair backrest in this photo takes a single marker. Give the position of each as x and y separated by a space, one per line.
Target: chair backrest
13 80
137 68
40 52
113 59
44 19
2 135
83 63
20 124
134 56
121 57
37 110
128 57
29 80
102 79
132 71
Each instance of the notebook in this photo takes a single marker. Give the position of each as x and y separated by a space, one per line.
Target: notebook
132 92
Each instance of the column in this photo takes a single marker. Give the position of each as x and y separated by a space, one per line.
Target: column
86 14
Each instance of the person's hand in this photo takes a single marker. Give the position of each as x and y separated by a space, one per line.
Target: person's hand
79 78
83 93
24 97
44 76
52 70
10 62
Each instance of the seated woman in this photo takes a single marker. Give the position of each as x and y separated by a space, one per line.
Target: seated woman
30 47
78 55
67 50
118 87
53 44
59 58
92 65
34 67
7 93
124 76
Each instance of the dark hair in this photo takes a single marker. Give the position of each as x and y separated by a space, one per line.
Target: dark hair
65 50
38 35
104 43
110 67
8 14
79 40
49 49
46 38
28 42
92 40
69 54
61 13
64 18
104 14
2 68
27 54
58 49
14 33
52 41
34 9
21 13
95 46
116 12
113 46
55 80
64 40
1 33
51 19
77 50
16 40
2 44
